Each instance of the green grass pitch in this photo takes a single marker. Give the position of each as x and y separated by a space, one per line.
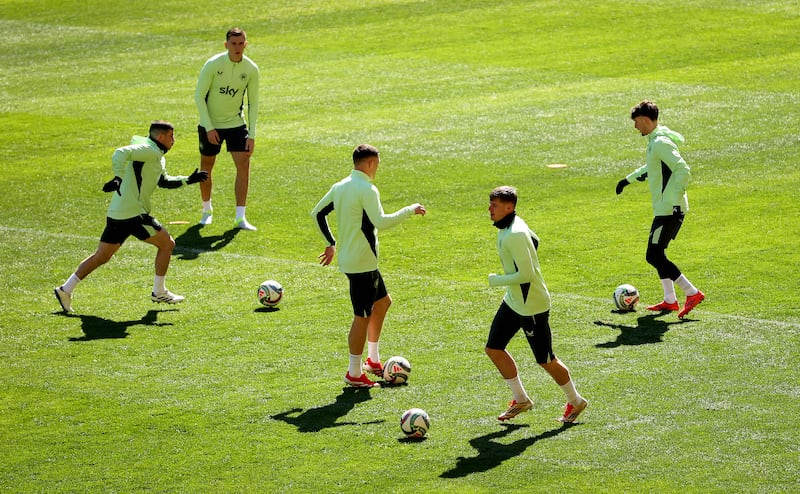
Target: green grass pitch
219 395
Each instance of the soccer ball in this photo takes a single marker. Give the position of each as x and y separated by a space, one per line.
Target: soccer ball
415 422
270 293
396 370
625 297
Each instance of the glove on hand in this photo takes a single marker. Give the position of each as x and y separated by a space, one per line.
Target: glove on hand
197 176
621 185
113 185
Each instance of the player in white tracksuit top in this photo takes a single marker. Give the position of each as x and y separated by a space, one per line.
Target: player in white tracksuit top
526 305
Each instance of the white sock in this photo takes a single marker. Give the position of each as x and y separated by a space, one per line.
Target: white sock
669 291
354 369
517 391
160 284
372 351
71 283
572 394
240 212
207 206
686 286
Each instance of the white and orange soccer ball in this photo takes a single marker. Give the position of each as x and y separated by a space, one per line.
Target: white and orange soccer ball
396 370
626 297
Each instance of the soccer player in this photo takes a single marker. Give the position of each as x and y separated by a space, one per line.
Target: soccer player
138 169
225 80
526 305
359 216
668 176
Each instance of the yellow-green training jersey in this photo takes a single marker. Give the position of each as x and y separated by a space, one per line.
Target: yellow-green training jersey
142 167
221 90
526 292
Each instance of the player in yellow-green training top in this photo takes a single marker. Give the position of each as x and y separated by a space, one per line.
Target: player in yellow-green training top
226 81
526 306
359 216
139 168
668 176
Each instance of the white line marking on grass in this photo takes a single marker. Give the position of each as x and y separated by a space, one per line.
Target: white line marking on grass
40 233
142 245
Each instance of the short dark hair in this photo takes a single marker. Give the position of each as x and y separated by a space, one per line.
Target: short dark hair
235 31
364 151
158 127
504 193
645 109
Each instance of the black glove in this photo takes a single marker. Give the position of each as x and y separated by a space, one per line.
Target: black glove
197 176
676 211
113 185
621 185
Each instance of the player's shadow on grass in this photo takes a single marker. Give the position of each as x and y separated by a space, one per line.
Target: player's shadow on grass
190 244
648 330
492 454
327 416
97 328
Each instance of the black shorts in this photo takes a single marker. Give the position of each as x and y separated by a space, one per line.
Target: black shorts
365 290
141 227
506 323
235 140
664 229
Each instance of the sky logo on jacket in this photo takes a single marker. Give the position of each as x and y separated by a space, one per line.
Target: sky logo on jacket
228 90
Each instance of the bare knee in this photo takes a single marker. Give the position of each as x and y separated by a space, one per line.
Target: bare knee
383 304
207 163
98 259
493 353
168 244
163 241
